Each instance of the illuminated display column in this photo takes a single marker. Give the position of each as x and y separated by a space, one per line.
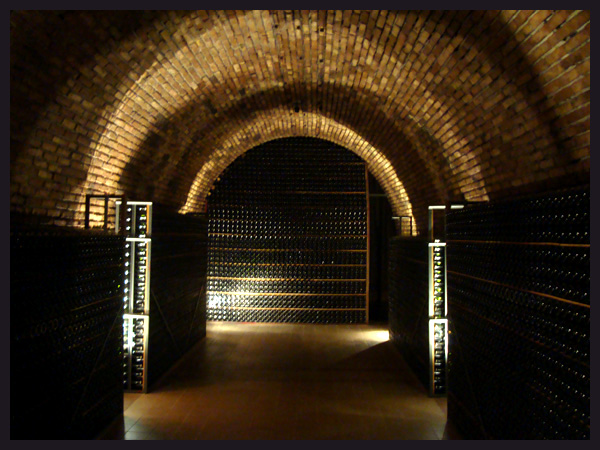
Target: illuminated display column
438 324
136 298
438 310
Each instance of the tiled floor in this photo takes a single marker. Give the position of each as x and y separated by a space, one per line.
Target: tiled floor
286 381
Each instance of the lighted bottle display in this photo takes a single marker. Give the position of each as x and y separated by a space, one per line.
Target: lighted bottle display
438 355
438 279
438 342
288 236
136 288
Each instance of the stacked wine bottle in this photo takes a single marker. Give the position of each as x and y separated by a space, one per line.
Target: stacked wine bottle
136 293
288 235
66 313
519 309
177 288
408 302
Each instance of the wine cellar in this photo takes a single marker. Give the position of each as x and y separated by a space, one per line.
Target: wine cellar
300 224
288 239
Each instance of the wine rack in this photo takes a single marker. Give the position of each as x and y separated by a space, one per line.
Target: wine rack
438 356
519 317
438 297
66 308
288 235
137 218
438 323
135 343
409 302
177 287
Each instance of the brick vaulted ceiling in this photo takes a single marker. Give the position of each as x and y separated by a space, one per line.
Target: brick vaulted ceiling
442 105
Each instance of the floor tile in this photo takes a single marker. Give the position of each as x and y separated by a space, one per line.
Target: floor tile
288 381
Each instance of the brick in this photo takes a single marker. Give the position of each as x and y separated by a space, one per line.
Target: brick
434 101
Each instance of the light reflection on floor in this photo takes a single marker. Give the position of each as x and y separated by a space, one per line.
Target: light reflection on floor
286 381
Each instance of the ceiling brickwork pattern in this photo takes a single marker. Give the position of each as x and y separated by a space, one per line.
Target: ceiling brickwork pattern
442 105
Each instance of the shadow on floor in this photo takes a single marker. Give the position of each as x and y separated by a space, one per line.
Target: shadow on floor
284 381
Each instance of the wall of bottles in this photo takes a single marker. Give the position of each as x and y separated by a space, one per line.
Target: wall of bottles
288 238
382 228
519 316
408 299
65 333
177 288
136 218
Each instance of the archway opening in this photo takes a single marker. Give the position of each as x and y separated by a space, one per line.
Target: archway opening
290 236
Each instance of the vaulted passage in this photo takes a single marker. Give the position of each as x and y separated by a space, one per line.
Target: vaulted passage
467 236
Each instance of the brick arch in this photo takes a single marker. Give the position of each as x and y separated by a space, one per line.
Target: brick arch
228 139
321 128
231 143
68 71
302 95
496 100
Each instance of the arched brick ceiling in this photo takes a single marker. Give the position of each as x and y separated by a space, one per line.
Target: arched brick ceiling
442 105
